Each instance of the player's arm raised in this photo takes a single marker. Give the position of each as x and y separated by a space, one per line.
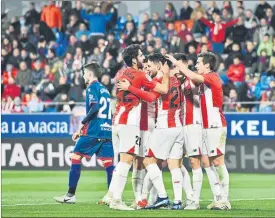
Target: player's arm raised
144 95
163 87
184 70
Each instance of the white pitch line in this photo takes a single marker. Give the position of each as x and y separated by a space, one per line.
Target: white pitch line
14 205
248 199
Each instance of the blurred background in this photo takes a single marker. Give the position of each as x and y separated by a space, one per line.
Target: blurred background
45 43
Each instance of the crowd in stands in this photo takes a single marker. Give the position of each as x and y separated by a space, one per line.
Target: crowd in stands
43 51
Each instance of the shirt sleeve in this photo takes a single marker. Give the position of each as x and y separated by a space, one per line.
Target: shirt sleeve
92 95
92 101
211 79
147 82
144 95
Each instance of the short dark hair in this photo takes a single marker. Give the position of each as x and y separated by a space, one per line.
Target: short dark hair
145 59
129 53
209 58
180 57
94 67
158 57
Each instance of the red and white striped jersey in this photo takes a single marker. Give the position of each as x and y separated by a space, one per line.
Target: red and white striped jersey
191 103
128 106
148 114
169 112
211 101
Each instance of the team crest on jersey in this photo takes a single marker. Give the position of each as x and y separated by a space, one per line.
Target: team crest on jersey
91 97
148 77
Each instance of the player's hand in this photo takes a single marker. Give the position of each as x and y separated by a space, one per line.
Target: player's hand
171 58
165 68
123 85
75 136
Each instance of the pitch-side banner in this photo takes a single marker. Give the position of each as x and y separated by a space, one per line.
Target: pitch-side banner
240 126
242 155
35 125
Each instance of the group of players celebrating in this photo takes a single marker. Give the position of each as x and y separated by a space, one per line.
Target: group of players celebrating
164 112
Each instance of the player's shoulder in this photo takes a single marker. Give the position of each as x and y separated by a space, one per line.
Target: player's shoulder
213 78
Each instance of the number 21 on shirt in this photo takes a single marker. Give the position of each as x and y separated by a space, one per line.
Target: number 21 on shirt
105 108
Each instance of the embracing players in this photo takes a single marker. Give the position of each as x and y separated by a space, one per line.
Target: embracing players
213 120
126 121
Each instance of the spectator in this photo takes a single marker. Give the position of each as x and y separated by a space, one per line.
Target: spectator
15 58
190 42
32 16
236 51
97 56
264 29
106 81
129 18
186 11
198 29
217 31
11 89
112 42
109 63
11 71
271 68
228 6
174 46
17 107
146 22
74 25
15 44
226 16
37 73
184 32
7 105
261 9
236 71
25 57
7 44
222 73
231 104
240 12
204 41
4 59
155 32
245 95
212 8
52 16
157 21
77 10
24 76
82 31
270 18
250 58
170 14
263 61
171 32
97 23
35 105
129 36
239 32
265 44
250 18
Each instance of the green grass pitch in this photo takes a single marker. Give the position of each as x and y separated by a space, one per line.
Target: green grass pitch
30 194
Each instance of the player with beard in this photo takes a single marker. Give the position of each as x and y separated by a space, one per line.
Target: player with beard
213 120
166 141
142 184
126 121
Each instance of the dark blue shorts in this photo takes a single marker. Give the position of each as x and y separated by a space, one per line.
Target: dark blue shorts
87 146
